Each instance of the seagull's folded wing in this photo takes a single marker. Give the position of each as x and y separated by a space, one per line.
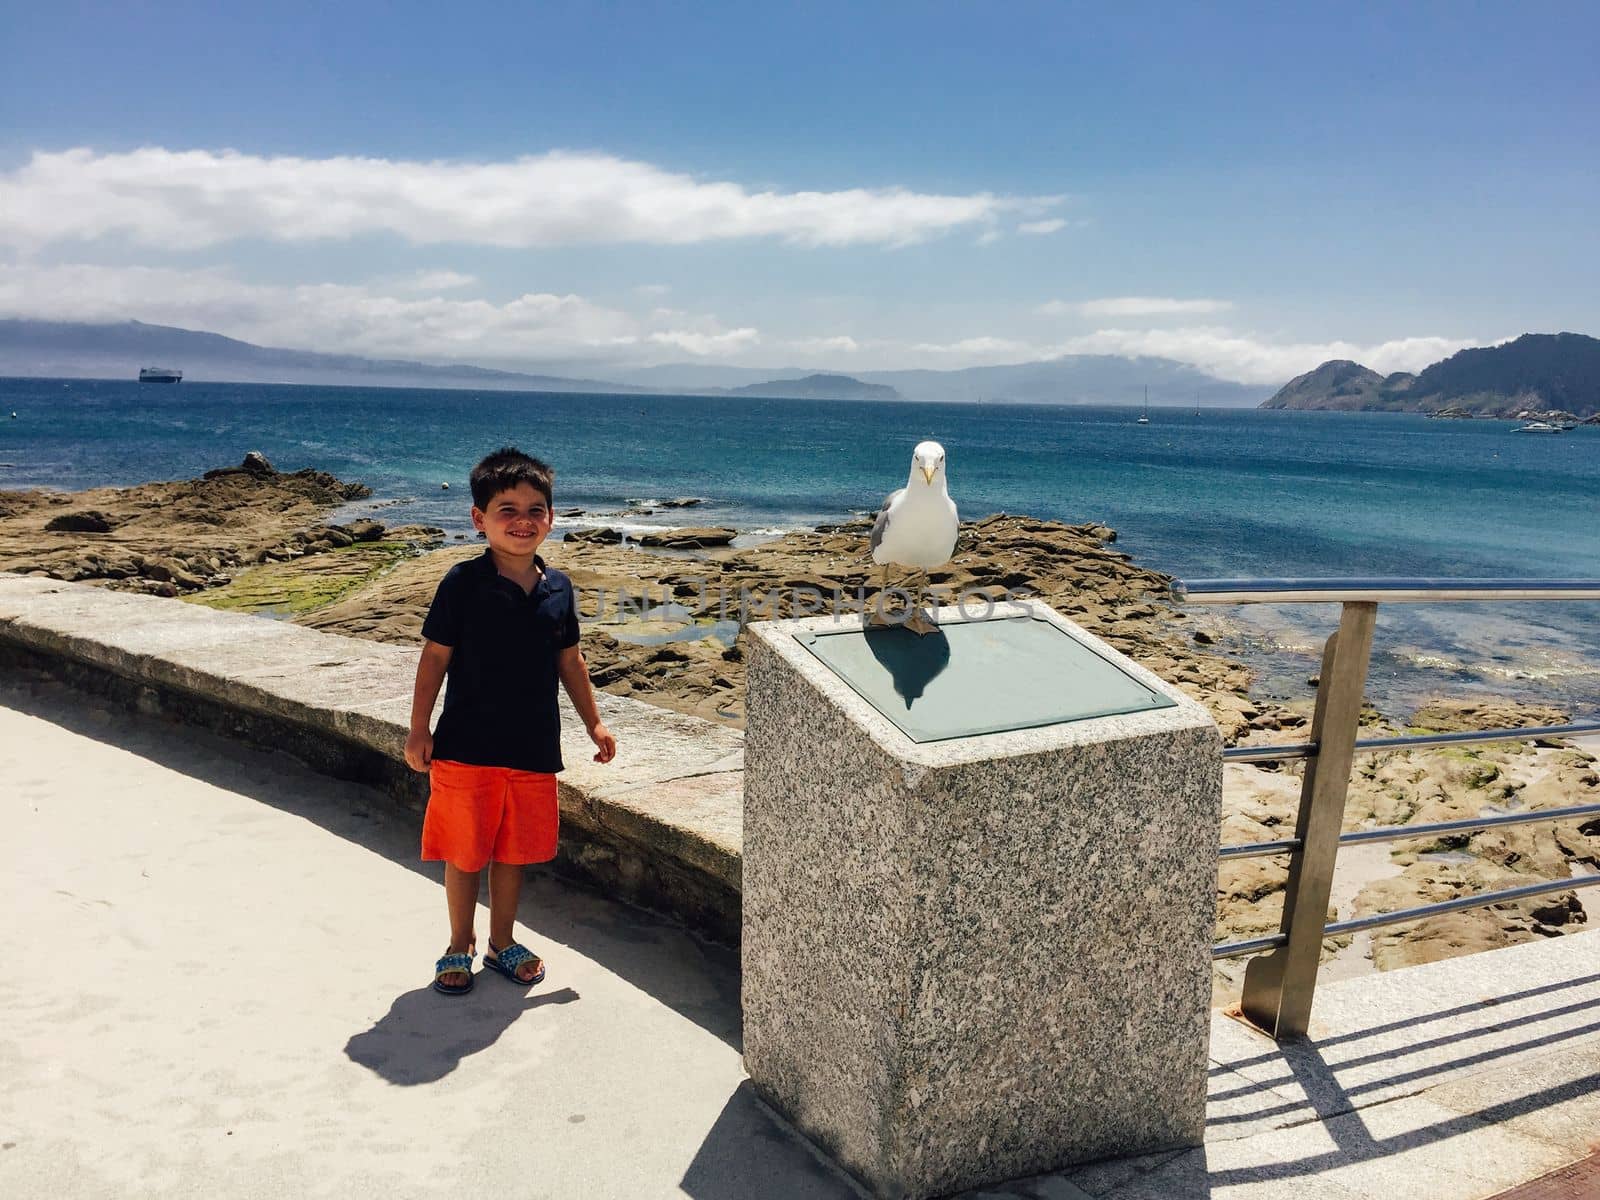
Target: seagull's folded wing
882 523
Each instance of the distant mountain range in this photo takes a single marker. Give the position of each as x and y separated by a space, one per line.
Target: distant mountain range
818 387
1077 379
1071 379
117 351
73 350
1539 372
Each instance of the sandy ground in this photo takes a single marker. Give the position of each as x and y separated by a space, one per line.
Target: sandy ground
218 986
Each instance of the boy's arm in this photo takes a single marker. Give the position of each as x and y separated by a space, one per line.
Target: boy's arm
430 675
575 678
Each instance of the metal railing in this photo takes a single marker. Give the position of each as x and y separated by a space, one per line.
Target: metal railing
1279 986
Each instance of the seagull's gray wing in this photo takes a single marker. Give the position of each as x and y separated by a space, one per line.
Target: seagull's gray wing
882 522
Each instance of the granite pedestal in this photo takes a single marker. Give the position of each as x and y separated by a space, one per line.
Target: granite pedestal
971 957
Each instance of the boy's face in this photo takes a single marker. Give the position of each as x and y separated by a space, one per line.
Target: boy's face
516 521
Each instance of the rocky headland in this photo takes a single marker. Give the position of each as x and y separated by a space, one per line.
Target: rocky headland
662 624
1542 376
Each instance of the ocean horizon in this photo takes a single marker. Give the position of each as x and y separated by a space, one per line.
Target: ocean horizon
1195 493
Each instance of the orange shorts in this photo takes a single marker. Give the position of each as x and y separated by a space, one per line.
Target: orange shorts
478 814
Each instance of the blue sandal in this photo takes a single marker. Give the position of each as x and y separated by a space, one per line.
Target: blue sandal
448 964
507 961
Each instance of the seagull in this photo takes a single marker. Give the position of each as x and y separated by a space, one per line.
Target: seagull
916 527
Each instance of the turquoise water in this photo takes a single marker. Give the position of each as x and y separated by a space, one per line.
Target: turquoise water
1220 492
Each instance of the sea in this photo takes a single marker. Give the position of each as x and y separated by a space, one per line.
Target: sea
1196 493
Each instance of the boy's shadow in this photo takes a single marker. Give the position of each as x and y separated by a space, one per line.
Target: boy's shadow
425 1035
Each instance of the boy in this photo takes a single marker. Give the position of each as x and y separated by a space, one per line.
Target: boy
505 628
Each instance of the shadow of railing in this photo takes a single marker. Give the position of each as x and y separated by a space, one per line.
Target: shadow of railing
1355 1144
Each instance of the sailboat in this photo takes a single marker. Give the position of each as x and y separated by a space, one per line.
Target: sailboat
1144 417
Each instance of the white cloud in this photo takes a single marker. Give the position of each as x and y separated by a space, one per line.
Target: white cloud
190 199
1039 228
373 319
708 345
1223 353
395 319
1246 358
976 349
1132 306
435 281
839 344
1407 354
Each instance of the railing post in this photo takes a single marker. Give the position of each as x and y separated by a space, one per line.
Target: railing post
1278 987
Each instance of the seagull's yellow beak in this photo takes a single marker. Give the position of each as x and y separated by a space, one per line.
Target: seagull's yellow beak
927 473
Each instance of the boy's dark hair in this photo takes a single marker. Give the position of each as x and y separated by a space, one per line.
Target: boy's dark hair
504 470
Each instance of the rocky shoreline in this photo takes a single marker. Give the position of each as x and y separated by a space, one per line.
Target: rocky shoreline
662 624
1555 416
206 535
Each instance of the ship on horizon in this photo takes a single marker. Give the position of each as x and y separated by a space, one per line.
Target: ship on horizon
159 375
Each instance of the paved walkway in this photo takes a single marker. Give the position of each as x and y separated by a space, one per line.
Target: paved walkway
217 986
1453 1081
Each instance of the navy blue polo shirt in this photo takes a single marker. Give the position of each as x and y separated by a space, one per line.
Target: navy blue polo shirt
500 699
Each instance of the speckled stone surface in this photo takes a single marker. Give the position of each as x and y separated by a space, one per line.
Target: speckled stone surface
969 961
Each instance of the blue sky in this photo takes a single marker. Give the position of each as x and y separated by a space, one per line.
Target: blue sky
1250 189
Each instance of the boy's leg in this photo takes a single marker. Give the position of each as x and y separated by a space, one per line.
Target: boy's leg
457 827
461 898
505 890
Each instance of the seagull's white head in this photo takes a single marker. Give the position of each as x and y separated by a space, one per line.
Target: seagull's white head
927 460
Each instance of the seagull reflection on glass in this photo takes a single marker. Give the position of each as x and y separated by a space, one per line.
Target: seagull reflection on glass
912 662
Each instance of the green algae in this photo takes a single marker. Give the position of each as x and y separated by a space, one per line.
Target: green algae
303 585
